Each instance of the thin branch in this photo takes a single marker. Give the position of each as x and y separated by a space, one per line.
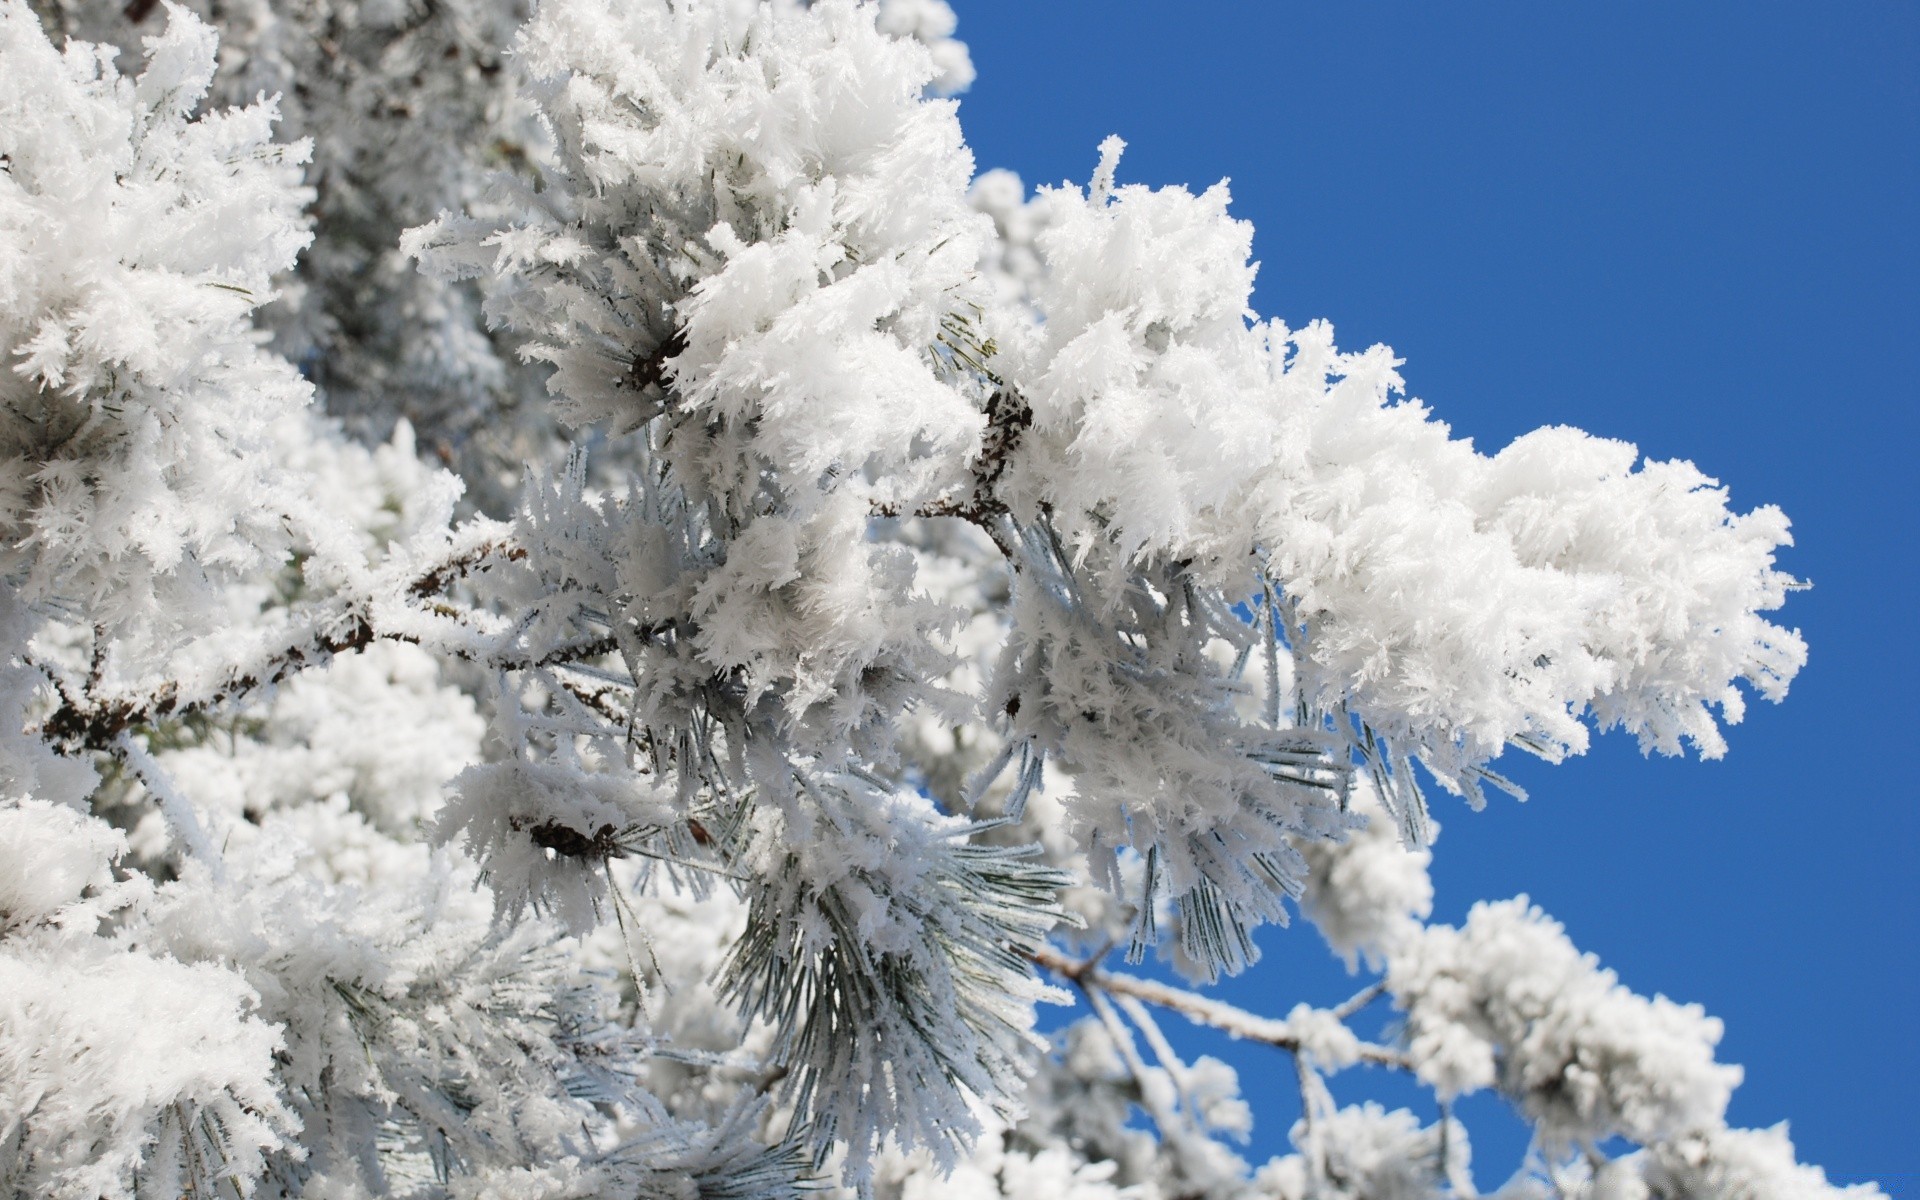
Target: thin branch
1170 1062
1008 419
436 580
174 806
1309 1128
1359 1000
1168 1119
580 650
1201 1010
89 722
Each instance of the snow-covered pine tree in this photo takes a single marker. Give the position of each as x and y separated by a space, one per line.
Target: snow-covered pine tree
595 615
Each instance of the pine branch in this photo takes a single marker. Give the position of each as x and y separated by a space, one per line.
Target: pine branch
86 721
1008 419
436 579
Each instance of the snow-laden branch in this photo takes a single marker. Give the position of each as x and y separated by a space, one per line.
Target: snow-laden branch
86 720
1205 1010
900 570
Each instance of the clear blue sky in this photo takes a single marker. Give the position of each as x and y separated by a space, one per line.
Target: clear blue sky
1691 226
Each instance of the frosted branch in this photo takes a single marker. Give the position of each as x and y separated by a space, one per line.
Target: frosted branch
1201 1010
86 721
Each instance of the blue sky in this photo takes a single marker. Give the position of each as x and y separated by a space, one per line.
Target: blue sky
1695 227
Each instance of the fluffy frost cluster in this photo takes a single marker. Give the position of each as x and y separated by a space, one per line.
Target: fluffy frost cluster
598 640
135 243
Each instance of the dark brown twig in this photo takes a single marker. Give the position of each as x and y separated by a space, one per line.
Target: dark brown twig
1008 419
85 721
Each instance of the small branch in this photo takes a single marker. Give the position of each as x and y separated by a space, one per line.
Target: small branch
1201 1010
1008 419
599 702
559 656
436 580
1312 1089
1068 969
1170 1062
1179 1126
89 722
1359 1000
1168 1119
1459 1180
175 807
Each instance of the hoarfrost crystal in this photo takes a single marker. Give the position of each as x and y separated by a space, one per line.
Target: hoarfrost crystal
600 640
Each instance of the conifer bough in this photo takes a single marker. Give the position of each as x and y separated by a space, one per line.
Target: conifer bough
590 612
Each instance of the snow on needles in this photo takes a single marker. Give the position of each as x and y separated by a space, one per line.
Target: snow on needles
911 579
135 243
